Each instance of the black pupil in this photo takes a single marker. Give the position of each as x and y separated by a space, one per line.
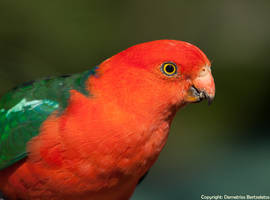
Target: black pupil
169 68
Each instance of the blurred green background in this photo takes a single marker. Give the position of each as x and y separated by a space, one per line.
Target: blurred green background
221 149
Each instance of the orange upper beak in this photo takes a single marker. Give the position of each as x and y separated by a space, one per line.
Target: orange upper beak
203 87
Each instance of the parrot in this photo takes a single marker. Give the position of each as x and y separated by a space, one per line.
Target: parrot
95 135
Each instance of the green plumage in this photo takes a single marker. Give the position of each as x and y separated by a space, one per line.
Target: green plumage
24 109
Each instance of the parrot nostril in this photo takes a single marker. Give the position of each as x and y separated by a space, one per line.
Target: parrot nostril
204 71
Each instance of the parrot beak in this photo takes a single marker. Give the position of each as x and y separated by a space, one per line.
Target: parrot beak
203 87
195 96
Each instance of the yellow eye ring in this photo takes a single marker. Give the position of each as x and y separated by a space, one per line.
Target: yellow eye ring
169 68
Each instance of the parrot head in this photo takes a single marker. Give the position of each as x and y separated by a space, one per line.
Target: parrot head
158 74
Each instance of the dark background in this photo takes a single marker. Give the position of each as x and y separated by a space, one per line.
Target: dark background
221 149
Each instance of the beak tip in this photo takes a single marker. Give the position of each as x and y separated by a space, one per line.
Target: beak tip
210 99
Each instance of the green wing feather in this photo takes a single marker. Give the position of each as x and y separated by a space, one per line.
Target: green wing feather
24 109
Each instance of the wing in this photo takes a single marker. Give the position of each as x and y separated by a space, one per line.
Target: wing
24 109
19 124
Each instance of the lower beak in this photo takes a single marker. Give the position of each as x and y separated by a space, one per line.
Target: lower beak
194 95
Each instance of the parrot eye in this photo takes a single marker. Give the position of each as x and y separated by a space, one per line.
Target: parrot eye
169 68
